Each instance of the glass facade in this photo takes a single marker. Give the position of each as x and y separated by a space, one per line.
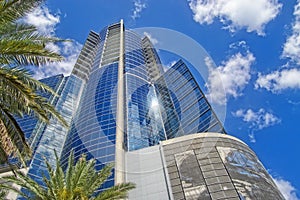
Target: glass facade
193 111
193 188
248 175
143 122
216 166
137 89
57 83
152 111
161 105
93 131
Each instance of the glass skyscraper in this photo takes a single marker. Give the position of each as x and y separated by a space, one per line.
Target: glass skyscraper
124 107
130 103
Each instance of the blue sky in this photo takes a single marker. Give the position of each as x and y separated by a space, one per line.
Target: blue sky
255 45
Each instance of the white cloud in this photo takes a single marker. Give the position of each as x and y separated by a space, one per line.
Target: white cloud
46 23
238 45
295 103
286 188
285 78
252 137
153 40
170 64
166 67
258 120
53 47
43 20
230 78
138 8
291 48
279 80
236 14
70 50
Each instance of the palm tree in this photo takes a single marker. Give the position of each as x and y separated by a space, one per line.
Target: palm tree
80 182
21 45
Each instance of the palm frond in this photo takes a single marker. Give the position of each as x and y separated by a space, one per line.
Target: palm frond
26 183
12 30
69 172
81 181
25 77
21 95
59 173
12 10
20 43
11 188
79 172
4 153
51 182
116 192
99 178
26 52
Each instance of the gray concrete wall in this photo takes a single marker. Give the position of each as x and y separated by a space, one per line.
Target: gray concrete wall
144 167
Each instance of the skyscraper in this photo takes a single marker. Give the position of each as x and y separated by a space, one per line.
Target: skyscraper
155 125
129 102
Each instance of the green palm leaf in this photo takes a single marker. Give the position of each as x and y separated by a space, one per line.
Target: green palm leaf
12 10
80 181
115 192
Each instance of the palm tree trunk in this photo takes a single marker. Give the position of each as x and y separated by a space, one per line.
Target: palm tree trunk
6 142
6 146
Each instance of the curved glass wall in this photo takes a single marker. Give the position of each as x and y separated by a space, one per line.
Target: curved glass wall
248 174
194 112
93 130
144 123
216 166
